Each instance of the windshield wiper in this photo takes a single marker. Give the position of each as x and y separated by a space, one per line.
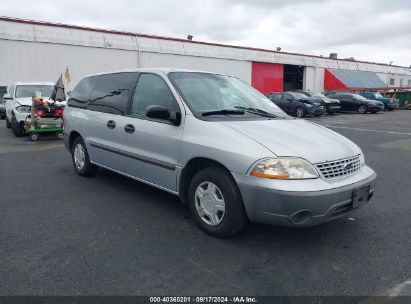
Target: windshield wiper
257 111
223 112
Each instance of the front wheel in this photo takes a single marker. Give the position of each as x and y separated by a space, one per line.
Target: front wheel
215 202
16 127
80 158
299 112
34 136
362 109
8 124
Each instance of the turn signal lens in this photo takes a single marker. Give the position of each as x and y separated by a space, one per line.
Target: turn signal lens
284 168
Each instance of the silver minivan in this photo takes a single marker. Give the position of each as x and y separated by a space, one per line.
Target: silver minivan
227 151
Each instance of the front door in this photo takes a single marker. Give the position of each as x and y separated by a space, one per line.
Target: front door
152 146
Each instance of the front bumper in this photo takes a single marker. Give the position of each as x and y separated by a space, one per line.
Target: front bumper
303 202
332 108
390 106
316 110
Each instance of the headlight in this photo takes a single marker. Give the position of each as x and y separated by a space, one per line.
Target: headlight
23 109
362 159
284 168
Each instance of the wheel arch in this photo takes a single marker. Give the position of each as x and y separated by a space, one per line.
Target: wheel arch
190 169
72 137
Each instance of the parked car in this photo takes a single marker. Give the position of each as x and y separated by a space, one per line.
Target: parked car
221 146
331 105
2 107
355 102
389 103
18 103
298 104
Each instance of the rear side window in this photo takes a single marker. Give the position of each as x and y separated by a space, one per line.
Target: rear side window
111 93
81 93
107 93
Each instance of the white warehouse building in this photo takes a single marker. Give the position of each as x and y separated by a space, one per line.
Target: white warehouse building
41 51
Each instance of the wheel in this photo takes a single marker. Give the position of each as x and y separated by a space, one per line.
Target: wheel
299 112
390 109
362 109
8 124
16 127
317 115
34 136
215 202
80 158
59 135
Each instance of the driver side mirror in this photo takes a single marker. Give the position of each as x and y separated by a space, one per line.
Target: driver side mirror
160 112
7 97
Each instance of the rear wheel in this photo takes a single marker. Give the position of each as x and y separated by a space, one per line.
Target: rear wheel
59 135
215 202
362 109
80 158
299 112
16 127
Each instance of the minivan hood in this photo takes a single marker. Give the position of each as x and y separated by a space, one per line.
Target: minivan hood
298 138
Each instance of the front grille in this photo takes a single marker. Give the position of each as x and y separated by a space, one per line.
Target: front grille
339 168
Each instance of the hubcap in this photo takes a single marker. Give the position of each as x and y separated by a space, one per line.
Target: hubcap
300 113
79 156
362 109
209 203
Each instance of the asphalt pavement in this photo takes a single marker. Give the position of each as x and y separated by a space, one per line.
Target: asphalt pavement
61 234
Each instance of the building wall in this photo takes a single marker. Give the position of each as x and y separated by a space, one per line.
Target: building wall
28 61
30 51
240 69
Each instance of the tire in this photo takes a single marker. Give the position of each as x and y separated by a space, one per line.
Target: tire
80 159
362 109
228 221
299 112
60 135
16 127
8 124
390 109
34 136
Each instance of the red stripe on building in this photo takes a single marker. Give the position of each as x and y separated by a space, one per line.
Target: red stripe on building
267 77
331 82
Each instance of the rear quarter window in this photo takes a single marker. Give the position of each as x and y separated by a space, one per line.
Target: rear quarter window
111 93
108 93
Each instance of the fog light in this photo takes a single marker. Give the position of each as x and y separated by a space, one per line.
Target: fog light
301 217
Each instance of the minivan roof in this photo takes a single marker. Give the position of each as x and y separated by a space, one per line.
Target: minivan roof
33 83
154 70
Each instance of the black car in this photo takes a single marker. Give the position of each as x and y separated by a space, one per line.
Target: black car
331 105
355 102
297 104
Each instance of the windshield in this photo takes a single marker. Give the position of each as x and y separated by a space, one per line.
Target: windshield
357 96
205 92
378 95
318 95
30 90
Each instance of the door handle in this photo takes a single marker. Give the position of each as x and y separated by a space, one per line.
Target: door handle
111 124
129 129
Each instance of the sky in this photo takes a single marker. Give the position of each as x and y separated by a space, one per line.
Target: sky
367 30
